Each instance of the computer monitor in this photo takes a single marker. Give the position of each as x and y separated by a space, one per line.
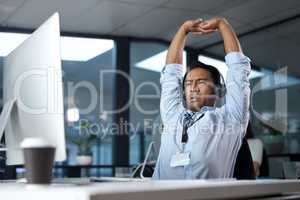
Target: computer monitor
33 94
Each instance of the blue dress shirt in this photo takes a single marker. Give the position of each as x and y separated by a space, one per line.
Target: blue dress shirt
215 139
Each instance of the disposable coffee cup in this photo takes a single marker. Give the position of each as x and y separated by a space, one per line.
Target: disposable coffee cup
39 158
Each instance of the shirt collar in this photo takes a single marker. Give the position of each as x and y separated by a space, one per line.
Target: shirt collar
201 111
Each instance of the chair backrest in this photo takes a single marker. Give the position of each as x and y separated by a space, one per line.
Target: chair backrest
264 167
243 168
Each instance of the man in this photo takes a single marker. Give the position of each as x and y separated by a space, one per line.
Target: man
200 140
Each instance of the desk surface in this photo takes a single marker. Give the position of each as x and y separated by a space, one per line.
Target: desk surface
173 190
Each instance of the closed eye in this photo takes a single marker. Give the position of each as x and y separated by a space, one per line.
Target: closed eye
202 81
188 83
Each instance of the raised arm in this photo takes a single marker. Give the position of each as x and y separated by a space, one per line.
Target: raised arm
176 47
237 83
231 42
171 76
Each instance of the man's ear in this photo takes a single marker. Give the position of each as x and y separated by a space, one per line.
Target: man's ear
183 96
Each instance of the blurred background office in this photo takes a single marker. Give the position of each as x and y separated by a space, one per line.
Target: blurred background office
113 51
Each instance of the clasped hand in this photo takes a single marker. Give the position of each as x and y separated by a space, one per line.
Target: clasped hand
202 27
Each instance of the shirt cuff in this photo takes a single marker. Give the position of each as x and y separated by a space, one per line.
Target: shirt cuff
173 69
236 58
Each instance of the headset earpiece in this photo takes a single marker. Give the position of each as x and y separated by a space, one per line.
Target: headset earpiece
222 87
183 93
220 91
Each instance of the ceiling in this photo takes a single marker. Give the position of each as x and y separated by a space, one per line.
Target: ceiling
269 29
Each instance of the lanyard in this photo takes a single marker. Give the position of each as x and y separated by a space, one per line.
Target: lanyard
184 137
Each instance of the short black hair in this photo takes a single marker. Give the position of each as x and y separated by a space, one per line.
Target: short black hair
216 76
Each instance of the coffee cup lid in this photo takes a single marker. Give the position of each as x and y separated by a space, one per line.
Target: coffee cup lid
35 142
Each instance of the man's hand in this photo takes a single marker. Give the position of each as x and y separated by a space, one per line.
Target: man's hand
196 27
212 24
256 166
231 42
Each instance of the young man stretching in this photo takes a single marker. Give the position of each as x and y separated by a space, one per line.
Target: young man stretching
200 140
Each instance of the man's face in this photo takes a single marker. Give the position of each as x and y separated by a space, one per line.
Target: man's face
199 89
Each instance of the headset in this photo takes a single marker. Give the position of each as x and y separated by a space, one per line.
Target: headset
220 87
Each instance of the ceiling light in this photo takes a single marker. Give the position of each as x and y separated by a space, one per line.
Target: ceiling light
157 62
72 48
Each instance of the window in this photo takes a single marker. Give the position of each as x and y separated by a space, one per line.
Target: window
88 80
146 62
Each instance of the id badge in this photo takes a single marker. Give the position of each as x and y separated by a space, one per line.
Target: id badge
180 159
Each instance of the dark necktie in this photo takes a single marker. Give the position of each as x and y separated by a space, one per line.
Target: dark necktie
187 122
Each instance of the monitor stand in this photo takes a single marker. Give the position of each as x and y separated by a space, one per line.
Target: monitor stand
6 111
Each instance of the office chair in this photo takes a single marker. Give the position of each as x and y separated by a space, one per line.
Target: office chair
243 169
146 168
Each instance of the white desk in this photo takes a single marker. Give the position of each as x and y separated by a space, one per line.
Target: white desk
154 190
